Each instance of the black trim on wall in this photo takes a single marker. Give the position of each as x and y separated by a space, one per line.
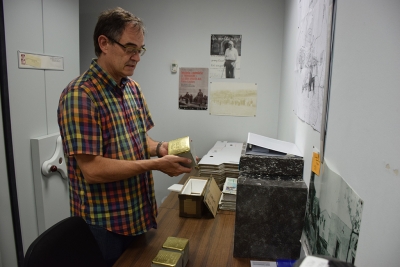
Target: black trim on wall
5 111
328 93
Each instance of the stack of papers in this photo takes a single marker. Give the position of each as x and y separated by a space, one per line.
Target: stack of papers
221 161
228 196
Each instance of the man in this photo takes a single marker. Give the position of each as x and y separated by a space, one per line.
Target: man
231 55
200 98
104 120
312 74
187 97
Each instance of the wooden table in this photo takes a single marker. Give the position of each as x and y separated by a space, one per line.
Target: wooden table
210 239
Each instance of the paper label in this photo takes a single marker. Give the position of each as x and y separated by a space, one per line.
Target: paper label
32 60
316 163
263 263
38 61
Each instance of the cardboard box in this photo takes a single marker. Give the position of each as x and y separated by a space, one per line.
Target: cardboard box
178 244
199 195
167 258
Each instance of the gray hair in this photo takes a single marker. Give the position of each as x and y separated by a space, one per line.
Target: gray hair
112 23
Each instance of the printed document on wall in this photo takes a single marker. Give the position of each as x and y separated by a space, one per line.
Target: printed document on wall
193 88
313 49
233 99
225 56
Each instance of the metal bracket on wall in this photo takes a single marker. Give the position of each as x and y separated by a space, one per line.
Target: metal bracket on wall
56 163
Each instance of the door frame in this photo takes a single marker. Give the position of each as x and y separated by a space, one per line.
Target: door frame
9 154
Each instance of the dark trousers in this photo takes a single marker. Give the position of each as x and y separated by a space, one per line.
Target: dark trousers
311 82
229 69
112 245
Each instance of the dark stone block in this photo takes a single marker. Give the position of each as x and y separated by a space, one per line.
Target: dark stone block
269 166
262 175
269 218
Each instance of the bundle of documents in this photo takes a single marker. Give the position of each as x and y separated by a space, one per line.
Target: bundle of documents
221 161
228 197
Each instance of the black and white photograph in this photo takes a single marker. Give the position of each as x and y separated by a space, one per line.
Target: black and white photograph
333 217
225 52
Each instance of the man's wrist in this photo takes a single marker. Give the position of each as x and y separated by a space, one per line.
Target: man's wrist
158 149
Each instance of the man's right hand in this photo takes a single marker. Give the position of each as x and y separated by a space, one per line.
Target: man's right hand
173 165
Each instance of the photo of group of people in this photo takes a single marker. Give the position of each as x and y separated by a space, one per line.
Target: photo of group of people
191 101
193 88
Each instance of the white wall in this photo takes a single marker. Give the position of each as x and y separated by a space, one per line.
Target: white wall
181 30
7 243
43 27
363 144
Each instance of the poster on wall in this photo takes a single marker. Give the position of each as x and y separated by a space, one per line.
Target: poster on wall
225 55
193 88
233 99
312 60
333 217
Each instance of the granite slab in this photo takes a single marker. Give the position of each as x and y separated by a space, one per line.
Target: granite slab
269 218
268 166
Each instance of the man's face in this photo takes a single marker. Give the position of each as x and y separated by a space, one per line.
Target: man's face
230 46
121 64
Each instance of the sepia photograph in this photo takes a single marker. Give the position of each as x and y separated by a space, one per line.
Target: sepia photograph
233 99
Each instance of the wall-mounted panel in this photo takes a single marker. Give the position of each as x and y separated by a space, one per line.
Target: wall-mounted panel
51 191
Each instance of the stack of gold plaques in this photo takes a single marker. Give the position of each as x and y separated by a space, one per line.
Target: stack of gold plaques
167 258
180 245
181 147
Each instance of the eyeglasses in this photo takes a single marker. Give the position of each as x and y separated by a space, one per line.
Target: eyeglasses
131 50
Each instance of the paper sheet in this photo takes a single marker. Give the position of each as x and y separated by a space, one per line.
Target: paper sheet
273 144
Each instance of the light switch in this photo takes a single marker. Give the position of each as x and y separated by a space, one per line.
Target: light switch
174 67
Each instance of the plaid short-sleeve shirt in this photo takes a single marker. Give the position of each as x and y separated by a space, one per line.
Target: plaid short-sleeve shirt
98 117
